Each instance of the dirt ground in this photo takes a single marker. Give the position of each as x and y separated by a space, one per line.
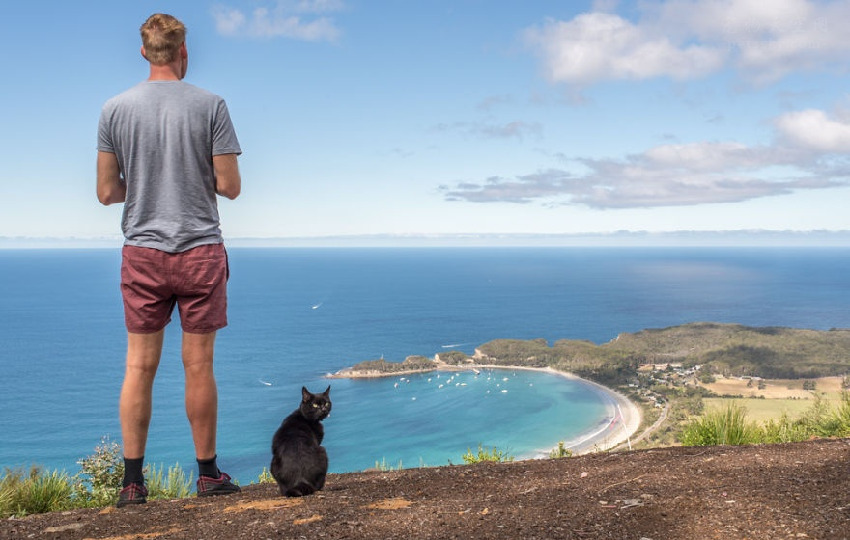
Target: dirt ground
799 490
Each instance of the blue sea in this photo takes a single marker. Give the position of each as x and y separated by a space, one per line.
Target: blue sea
297 314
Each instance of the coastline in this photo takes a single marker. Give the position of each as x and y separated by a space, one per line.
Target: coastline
622 421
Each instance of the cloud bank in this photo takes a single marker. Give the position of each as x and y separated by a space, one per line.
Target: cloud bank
689 39
806 154
759 41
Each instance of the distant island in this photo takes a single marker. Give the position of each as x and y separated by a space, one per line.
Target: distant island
708 348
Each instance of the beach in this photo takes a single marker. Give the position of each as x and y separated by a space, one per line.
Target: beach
620 424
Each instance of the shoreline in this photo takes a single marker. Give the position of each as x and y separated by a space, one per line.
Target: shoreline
621 423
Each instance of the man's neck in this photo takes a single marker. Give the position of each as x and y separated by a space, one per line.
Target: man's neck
165 72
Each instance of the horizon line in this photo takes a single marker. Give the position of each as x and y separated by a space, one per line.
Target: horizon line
620 238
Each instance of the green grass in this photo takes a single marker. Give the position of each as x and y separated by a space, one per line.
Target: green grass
762 410
732 425
34 492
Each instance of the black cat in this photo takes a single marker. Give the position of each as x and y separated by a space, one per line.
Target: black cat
299 461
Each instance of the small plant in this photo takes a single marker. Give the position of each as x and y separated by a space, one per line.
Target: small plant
842 416
561 451
727 426
37 492
383 466
173 485
783 430
265 477
494 455
105 472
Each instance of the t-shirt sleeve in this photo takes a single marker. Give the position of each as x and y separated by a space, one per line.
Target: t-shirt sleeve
104 134
224 135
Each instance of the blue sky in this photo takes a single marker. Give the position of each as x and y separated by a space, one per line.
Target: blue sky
469 117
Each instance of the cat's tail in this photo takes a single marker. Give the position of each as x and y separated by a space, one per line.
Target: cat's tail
300 490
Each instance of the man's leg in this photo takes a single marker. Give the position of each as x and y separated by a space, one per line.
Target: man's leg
143 354
201 391
202 411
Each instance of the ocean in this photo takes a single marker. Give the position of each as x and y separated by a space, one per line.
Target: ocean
297 314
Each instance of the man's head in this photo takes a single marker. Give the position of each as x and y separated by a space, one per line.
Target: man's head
163 39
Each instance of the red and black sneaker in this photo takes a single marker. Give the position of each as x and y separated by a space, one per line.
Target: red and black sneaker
133 494
208 486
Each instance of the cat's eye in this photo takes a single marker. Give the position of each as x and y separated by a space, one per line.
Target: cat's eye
315 406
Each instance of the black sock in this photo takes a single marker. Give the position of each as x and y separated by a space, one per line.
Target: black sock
208 467
133 471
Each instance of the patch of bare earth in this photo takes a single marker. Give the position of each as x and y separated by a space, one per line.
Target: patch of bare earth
797 490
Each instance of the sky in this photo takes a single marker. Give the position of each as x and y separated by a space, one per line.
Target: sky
410 119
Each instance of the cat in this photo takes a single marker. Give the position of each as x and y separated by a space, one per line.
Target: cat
299 461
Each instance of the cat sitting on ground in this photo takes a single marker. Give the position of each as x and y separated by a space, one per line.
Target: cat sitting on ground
299 461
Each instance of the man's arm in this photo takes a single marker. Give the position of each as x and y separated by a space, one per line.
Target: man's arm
228 182
110 187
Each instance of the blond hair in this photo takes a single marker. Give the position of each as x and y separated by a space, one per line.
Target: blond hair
162 36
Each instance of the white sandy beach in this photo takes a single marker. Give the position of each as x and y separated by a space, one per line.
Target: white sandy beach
624 419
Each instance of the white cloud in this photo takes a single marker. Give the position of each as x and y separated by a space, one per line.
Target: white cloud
685 39
302 20
685 174
598 46
228 21
812 129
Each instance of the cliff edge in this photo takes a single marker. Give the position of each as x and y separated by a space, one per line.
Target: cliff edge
797 490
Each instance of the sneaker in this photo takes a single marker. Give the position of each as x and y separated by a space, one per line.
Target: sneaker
132 494
208 486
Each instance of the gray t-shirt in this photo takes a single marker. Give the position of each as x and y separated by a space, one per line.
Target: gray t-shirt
164 134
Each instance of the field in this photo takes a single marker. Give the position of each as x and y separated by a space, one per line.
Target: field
780 396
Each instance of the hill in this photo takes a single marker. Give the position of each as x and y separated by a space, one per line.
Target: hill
794 490
725 349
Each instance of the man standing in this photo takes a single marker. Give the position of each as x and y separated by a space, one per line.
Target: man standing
165 149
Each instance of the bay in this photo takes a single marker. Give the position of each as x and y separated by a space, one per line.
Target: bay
298 314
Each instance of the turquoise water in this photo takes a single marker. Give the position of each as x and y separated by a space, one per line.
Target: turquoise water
298 314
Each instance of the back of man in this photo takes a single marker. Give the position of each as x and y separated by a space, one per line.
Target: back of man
160 132
166 149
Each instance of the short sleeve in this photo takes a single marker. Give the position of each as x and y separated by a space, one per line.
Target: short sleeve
104 131
224 135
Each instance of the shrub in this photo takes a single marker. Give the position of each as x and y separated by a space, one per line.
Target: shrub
174 485
783 430
105 472
827 422
37 492
561 451
726 426
383 466
266 477
495 455
842 416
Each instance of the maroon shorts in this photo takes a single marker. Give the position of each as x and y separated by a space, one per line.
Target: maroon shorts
153 281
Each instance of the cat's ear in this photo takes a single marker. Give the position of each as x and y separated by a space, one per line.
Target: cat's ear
328 391
305 394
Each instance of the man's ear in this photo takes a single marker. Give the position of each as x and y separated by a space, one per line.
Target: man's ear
183 52
142 50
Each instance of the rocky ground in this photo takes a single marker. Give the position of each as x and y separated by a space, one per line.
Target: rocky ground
797 490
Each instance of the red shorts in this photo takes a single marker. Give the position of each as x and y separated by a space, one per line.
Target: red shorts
153 281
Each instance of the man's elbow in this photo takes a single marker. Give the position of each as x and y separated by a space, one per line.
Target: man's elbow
229 186
110 196
229 192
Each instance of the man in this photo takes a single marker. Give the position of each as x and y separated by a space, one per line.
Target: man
165 149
